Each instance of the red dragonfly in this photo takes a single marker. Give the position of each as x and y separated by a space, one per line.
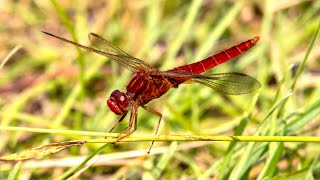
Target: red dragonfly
149 83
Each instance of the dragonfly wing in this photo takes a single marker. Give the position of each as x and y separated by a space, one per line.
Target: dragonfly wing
226 83
124 59
229 83
105 45
111 51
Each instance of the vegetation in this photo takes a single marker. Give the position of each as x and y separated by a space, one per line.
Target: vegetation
52 92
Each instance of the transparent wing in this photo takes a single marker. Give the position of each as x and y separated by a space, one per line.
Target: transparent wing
226 83
229 83
109 50
125 58
105 45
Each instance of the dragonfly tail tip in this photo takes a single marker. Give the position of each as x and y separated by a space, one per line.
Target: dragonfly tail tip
255 39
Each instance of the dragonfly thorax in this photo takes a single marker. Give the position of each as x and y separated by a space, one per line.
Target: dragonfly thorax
118 102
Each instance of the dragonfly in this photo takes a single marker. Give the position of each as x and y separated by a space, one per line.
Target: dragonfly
150 83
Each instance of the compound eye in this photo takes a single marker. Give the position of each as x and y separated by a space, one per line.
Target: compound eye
114 107
115 93
118 102
122 98
122 101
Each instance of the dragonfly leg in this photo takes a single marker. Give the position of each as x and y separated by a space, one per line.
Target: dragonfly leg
158 125
133 120
117 123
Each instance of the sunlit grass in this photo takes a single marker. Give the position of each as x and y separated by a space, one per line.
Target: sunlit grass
47 84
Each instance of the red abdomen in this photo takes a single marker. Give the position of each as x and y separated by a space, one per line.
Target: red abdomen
214 60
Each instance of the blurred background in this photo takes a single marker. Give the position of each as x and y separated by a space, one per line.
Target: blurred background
46 83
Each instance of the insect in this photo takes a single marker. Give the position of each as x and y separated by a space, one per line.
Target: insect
150 83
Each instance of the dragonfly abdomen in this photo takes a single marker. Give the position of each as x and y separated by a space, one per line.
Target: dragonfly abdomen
223 56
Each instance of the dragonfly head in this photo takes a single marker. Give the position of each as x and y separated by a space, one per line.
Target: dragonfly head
118 102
